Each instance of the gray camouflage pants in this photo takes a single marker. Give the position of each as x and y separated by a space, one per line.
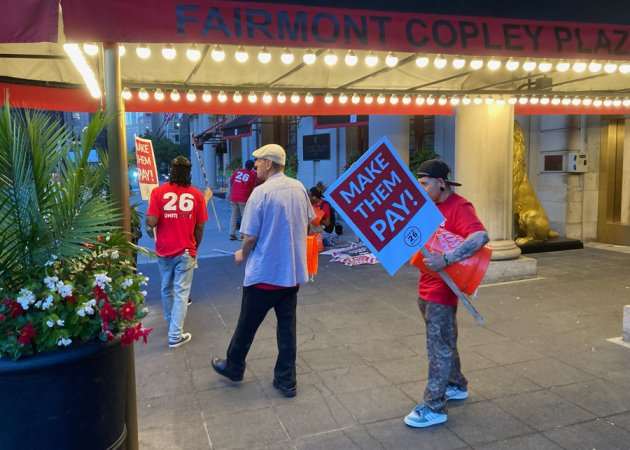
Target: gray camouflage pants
444 365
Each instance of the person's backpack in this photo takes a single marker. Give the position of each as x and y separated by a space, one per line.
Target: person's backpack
333 220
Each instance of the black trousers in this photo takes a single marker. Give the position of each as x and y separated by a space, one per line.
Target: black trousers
254 307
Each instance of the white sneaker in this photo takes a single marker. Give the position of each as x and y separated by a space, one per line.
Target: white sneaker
421 416
455 393
184 338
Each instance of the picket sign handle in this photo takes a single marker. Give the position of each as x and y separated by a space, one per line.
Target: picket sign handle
460 295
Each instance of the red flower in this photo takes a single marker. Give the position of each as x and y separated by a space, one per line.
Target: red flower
99 293
15 309
135 333
100 238
107 312
70 299
145 333
26 334
128 310
2 317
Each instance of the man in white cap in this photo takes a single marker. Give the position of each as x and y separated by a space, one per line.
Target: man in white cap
274 228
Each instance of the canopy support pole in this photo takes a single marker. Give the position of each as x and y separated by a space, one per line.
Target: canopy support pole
119 185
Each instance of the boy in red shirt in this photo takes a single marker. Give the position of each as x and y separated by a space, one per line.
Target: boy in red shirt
178 210
242 183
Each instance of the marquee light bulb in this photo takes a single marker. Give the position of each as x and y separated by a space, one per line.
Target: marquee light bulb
439 62
122 50
237 97
406 99
512 65
563 66
193 54
169 52
368 99
494 64
545 66
252 97
476 63
175 95
594 66
430 100
529 65
295 98
343 98
281 98
545 100
420 100
355 99
422 61
466 100
267 98
309 57
222 97
455 101
458 62
143 51
191 96
90 48
206 96
351 58
328 98
309 98
597 102
217 54
380 99
391 60
442 100
555 101
126 94
512 100
158 95
143 94
330 58
477 100
264 56
610 67
393 99
241 54
579 66
287 56
371 59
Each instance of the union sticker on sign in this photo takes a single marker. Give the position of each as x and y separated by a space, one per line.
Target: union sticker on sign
385 205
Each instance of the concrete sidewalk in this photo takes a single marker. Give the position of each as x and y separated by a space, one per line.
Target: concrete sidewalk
541 372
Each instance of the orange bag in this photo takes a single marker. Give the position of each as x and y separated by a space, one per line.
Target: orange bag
468 273
319 215
312 260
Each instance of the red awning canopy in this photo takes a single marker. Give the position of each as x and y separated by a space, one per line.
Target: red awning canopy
400 36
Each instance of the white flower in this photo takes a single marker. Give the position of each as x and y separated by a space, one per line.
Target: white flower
107 238
51 261
115 254
81 312
128 282
38 303
101 279
25 298
144 293
64 342
65 290
48 302
50 323
51 282
61 322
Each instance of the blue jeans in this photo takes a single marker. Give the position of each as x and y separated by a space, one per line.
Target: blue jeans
177 275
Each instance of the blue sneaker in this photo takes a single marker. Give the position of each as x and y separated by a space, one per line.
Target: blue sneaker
421 416
455 393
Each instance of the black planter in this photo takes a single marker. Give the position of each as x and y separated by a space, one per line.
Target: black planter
69 399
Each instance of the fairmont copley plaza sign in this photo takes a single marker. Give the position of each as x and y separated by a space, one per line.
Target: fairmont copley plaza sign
252 23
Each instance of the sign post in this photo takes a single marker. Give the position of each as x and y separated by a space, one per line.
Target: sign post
147 169
388 209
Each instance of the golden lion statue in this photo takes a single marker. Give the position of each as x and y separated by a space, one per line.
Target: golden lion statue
531 224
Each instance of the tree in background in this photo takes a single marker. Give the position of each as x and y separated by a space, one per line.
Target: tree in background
165 150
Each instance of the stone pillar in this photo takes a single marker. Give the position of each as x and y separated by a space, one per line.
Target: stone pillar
396 128
483 164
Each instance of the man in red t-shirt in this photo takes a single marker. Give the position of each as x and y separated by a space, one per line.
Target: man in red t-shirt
438 304
242 183
178 210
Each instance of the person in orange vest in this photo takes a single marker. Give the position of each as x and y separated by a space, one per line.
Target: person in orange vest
437 302
242 183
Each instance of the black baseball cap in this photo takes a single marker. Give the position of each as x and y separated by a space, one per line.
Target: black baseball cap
436 168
